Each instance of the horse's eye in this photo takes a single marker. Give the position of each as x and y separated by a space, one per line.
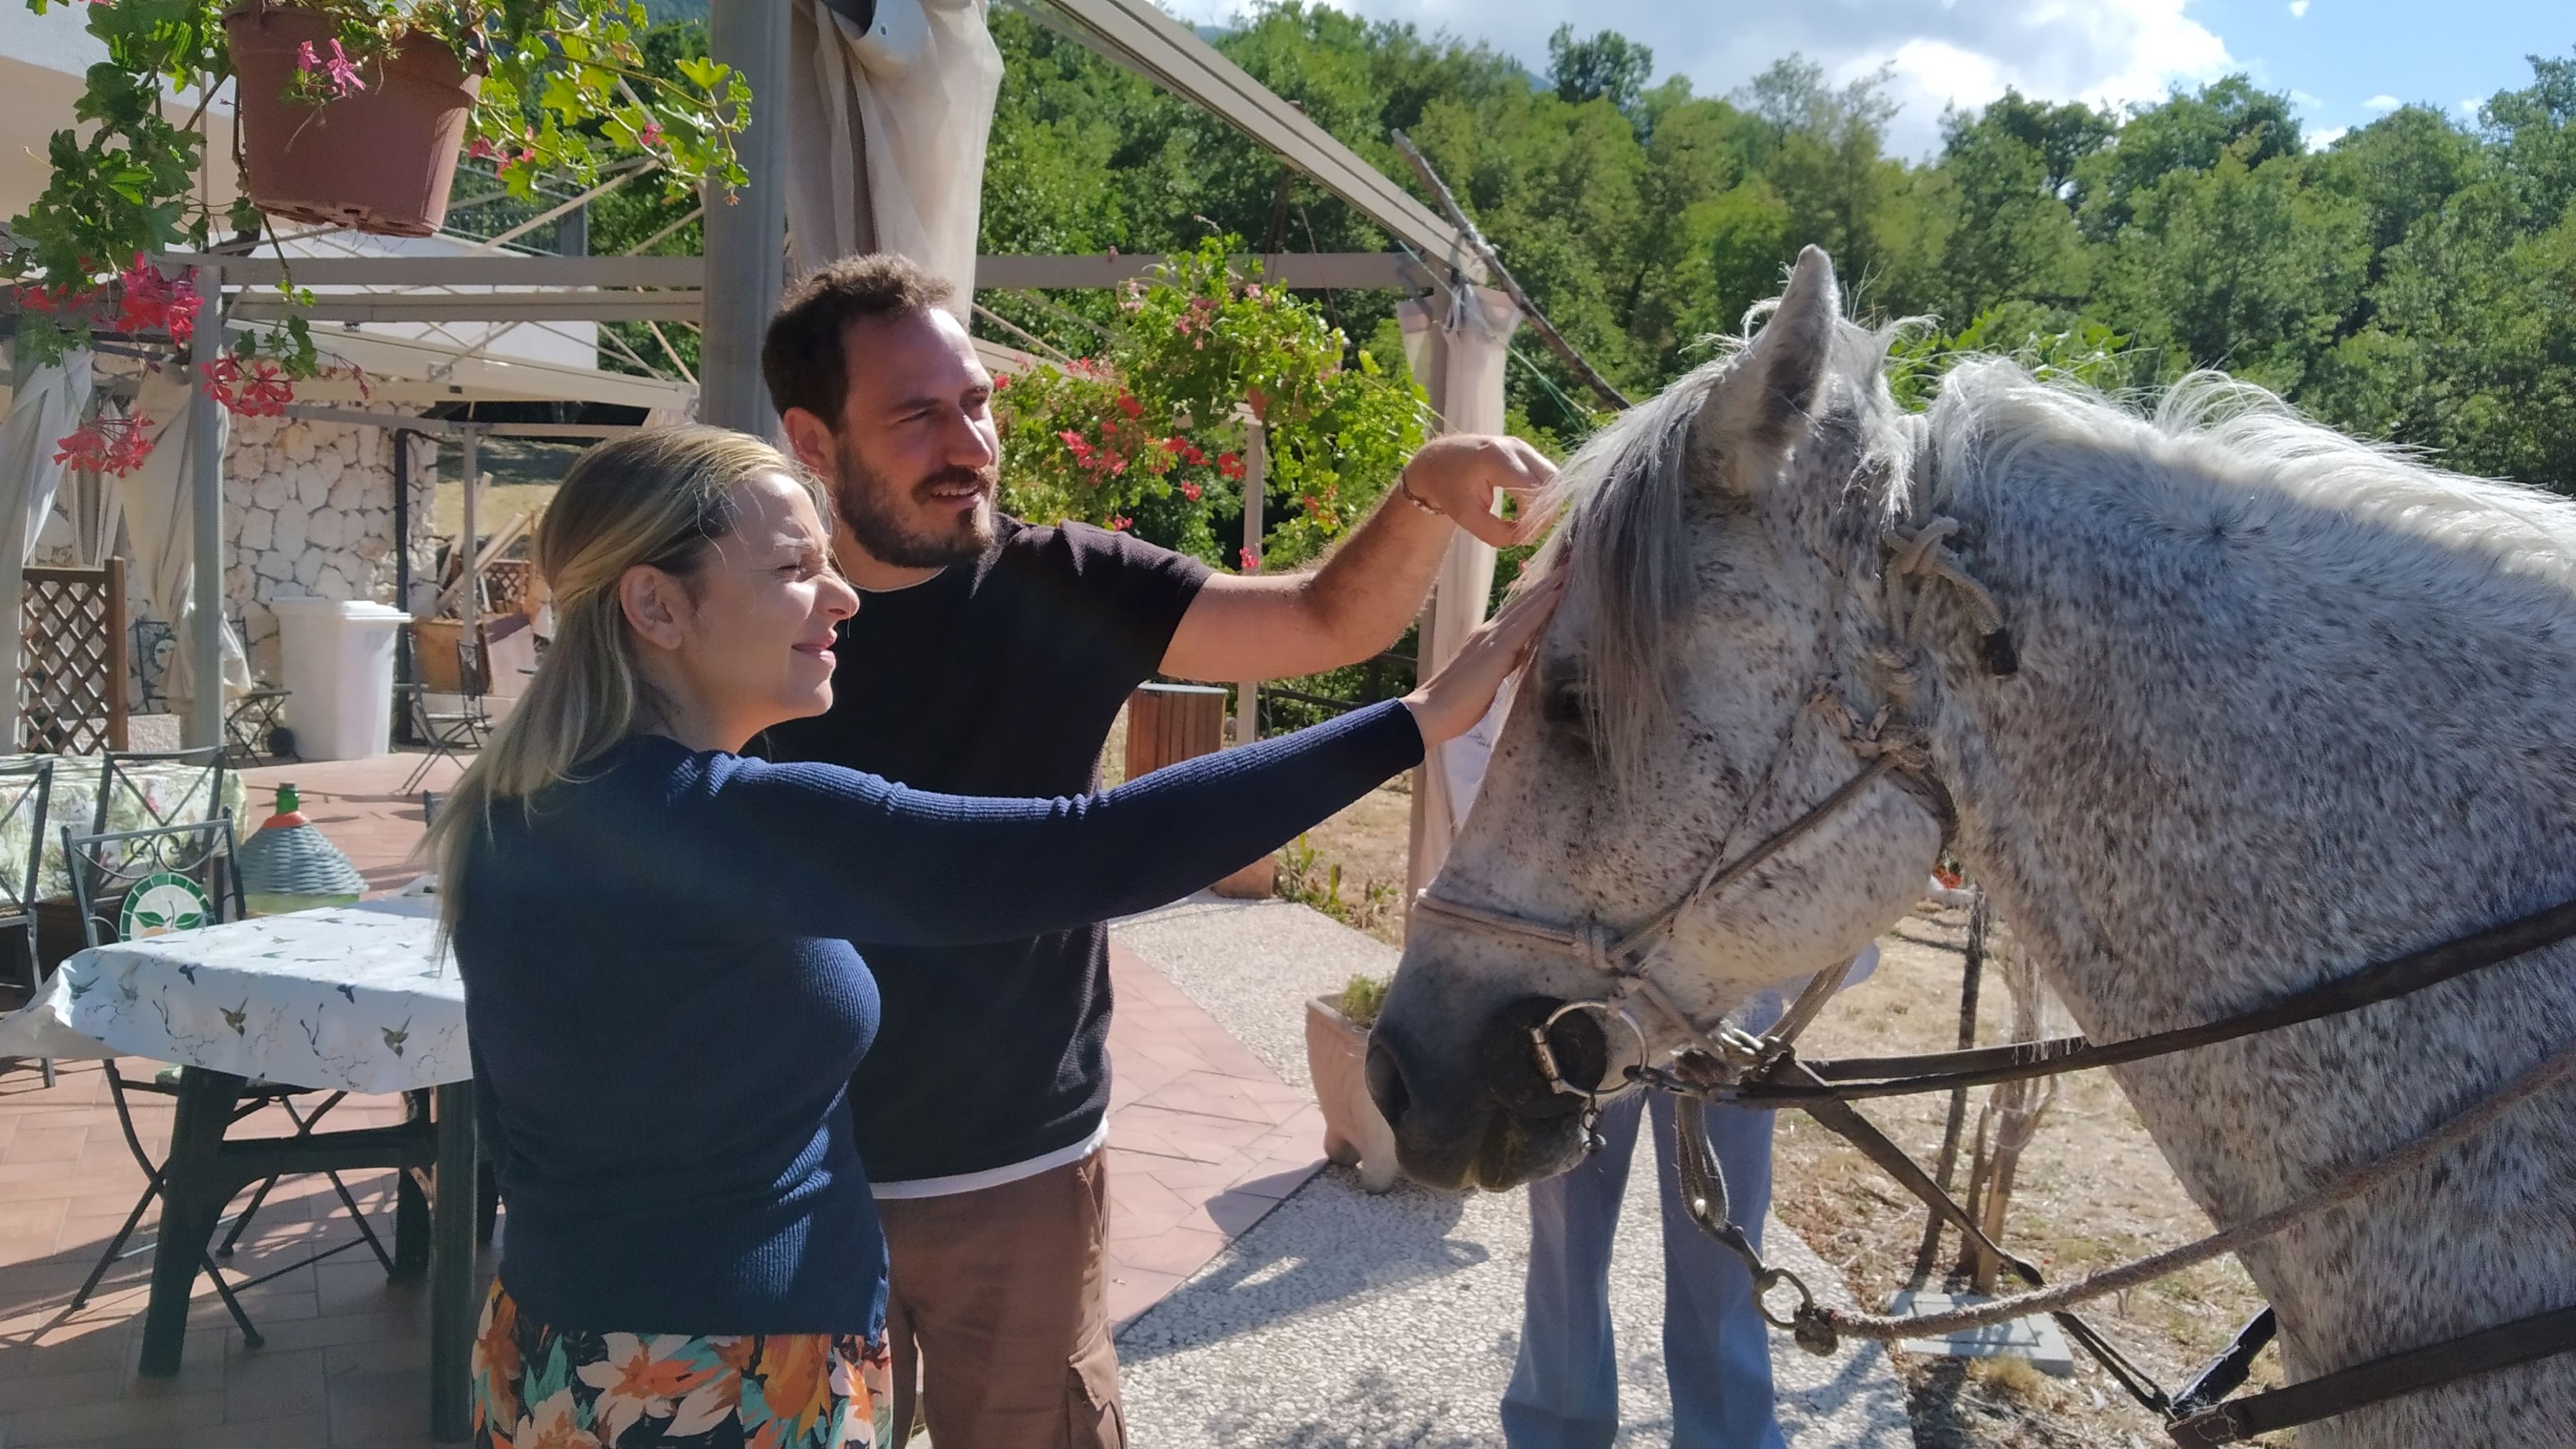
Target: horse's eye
1567 708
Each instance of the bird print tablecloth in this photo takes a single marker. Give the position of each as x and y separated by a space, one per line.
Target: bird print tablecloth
357 997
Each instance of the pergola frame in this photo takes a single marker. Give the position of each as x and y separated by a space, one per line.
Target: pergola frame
731 290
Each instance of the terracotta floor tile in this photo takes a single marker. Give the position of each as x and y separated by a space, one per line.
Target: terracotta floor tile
1182 1250
1133 1290
173 1416
1132 1227
1282 1182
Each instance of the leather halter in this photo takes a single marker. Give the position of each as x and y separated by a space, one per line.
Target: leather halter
1886 749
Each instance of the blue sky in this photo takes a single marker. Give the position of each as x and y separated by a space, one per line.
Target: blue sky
2339 56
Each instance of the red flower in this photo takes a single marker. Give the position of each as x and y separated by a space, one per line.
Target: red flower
1250 560
1229 464
1127 404
1001 380
1122 523
264 395
1190 491
150 302
651 135
113 446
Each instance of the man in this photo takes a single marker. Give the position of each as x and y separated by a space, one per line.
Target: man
1564 1392
990 657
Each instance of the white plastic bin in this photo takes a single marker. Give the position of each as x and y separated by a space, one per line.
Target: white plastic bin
340 676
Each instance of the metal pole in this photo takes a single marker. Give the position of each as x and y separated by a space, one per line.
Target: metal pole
469 543
1256 483
205 642
746 235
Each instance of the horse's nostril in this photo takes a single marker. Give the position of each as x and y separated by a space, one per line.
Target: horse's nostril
1386 1083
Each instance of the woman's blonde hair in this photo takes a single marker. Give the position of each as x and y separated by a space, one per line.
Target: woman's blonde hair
661 499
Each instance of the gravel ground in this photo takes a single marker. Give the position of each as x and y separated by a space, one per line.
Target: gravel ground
1345 1319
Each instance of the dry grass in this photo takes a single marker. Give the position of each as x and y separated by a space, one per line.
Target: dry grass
500 503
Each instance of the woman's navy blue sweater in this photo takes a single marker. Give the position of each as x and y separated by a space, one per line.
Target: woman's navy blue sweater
665 1008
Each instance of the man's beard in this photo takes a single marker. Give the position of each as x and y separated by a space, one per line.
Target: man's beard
872 507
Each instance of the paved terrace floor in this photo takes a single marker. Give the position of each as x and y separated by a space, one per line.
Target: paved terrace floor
1205 1141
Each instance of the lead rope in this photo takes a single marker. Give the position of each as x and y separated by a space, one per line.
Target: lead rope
2546 1073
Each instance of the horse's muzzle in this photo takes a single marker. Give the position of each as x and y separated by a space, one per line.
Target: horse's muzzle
1557 1083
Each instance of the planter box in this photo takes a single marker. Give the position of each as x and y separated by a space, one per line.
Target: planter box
380 160
1355 1132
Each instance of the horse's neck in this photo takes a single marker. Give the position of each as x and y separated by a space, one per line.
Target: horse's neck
2233 767
2264 749
2235 764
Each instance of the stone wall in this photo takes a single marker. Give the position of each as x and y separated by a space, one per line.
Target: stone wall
308 509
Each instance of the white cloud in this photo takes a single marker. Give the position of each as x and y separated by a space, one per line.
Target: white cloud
1957 52
2382 102
2469 107
2320 140
2298 9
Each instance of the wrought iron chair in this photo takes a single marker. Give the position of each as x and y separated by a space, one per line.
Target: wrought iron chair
105 869
443 732
24 791
200 798
256 728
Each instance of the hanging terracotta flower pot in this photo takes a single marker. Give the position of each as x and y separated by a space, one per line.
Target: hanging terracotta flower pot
369 143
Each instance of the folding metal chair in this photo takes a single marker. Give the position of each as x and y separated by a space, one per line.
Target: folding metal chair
199 797
25 790
444 732
104 869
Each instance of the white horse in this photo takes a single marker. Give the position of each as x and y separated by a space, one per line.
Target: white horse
2287 704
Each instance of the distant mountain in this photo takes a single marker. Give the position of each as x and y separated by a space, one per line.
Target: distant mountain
676 9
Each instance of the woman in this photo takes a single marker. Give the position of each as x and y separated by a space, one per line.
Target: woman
654 935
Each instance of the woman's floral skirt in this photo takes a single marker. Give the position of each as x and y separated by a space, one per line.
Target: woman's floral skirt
537 1387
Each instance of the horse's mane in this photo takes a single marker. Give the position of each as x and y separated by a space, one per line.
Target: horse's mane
2209 428
1626 547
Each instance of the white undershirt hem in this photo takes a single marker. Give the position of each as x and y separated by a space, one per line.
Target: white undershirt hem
997 1176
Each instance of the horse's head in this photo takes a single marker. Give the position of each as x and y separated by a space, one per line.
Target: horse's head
1722 556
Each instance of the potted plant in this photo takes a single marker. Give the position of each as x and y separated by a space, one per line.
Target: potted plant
1149 436
1356 1134
352 112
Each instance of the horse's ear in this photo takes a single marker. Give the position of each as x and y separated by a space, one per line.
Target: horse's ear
1764 408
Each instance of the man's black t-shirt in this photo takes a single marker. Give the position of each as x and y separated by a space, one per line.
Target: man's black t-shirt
1000 677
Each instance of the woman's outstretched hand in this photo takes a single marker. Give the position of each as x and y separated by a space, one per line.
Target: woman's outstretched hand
1454 699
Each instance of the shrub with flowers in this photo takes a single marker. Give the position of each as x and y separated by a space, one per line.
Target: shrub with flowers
565 89
1150 435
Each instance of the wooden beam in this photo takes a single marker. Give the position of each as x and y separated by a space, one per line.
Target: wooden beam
1153 44
1339 271
453 271
473 307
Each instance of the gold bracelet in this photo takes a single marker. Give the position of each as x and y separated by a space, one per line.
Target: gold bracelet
1404 485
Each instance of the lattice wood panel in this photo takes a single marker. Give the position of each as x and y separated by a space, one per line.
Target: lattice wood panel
71 674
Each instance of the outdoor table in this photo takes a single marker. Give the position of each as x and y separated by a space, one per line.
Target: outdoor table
74 802
356 998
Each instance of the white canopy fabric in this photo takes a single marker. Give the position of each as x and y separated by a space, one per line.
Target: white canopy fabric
158 498
886 132
45 406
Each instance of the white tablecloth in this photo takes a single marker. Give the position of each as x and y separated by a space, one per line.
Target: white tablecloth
355 997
